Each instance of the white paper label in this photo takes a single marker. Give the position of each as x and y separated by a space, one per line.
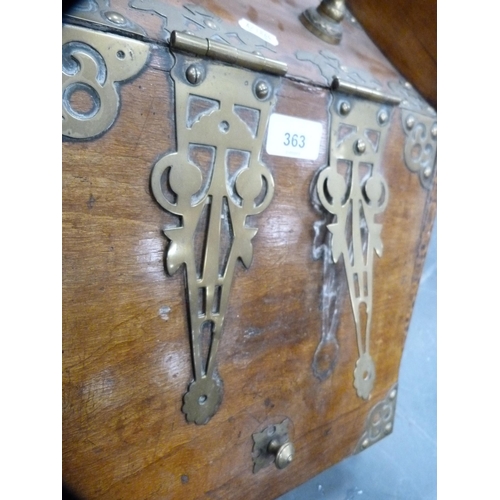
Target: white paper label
293 137
257 31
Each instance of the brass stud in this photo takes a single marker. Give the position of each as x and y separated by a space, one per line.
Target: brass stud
383 117
434 131
261 90
410 122
345 107
193 74
114 17
360 146
210 24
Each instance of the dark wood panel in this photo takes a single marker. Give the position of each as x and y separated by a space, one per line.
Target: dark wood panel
406 32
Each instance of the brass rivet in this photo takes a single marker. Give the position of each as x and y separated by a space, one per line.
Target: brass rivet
261 90
210 24
434 131
193 74
114 17
383 117
427 172
410 121
360 146
345 107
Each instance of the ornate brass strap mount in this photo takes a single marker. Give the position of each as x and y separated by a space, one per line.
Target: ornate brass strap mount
213 182
353 190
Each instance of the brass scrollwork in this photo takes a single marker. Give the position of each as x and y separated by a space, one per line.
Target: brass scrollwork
203 23
219 116
92 64
354 191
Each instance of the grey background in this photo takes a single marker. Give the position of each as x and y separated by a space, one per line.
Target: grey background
403 465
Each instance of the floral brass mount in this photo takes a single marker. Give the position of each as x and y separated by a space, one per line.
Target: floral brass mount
353 190
213 182
92 63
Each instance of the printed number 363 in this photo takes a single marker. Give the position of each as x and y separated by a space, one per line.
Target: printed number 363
294 140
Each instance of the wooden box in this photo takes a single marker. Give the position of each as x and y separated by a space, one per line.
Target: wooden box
244 231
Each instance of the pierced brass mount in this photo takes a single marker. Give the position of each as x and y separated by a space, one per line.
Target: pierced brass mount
92 63
213 182
353 190
420 145
380 421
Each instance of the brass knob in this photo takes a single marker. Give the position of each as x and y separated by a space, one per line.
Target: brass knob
324 21
284 453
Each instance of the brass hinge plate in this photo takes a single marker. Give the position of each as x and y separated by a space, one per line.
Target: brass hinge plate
214 180
352 189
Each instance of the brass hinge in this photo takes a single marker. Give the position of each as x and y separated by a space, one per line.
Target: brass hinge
206 47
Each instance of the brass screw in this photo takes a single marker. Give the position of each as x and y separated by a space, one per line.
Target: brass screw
261 90
360 146
434 131
114 17
345 107
193 74
210 24
383 117
410 121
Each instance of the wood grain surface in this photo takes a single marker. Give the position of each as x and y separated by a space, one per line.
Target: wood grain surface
126 352
406 32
